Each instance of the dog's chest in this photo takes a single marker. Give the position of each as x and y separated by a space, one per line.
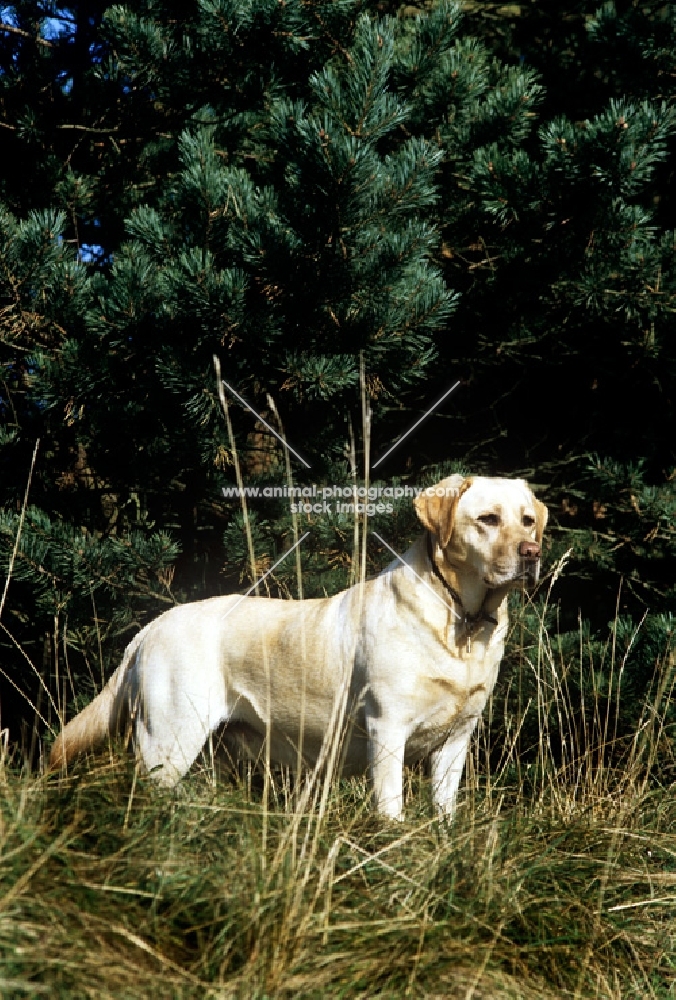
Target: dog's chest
450 696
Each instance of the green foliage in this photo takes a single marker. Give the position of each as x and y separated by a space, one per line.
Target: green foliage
585 52
43 285
64 563
303 188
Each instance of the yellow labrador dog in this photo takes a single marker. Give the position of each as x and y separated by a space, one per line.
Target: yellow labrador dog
415 653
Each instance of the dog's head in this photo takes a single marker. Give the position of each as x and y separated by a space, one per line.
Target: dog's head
491 527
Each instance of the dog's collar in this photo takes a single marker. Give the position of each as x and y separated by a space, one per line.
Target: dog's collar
470 621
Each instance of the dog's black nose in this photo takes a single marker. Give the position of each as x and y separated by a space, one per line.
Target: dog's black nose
529 550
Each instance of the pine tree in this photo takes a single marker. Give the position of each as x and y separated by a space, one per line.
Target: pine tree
569 293
288 232
299 188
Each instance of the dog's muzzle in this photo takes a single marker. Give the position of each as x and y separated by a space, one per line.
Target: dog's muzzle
530 553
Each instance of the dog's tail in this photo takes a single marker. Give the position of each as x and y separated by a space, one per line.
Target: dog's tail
101 719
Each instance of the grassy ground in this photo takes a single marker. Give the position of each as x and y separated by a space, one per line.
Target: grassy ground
555 879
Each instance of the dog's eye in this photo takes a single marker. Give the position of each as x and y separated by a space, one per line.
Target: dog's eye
492 519
528 521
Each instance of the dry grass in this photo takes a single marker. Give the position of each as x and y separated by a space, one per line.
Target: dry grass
557 879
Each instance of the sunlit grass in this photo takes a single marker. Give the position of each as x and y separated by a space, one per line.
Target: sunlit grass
556 879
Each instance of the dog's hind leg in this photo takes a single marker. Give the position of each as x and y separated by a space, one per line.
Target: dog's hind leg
167 755
170 733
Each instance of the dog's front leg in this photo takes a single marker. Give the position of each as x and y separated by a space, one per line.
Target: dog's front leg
386 743
447 765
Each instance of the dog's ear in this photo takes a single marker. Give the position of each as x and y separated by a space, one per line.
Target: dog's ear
437 512
541 515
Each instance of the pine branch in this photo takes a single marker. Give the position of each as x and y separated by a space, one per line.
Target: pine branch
12 30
